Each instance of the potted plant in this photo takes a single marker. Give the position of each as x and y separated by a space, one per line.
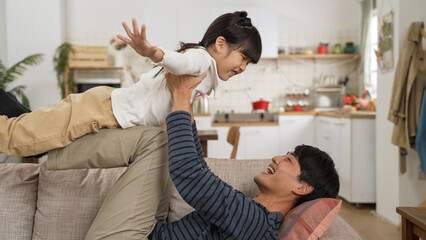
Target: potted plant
60 62
9 75
117 47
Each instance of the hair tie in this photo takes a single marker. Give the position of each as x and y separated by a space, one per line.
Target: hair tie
241 26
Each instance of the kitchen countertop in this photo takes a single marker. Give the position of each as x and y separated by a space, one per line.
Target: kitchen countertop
309 112
335 114
343 114
245 124
202 114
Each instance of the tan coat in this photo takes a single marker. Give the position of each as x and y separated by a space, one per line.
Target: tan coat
408 89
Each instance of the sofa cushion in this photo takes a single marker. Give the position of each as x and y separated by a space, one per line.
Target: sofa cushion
340 230
309 220
68 201
237 173
18 188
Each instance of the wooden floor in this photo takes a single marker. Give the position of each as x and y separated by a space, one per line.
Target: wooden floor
367 224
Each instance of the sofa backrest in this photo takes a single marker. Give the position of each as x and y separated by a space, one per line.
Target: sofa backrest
18 196
237 173
68 200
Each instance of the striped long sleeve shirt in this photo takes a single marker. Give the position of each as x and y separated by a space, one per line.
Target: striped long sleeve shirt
220 211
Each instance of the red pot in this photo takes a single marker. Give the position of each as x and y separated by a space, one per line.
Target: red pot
260 105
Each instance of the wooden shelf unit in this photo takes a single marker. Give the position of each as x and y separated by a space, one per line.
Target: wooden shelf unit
319 56
68 69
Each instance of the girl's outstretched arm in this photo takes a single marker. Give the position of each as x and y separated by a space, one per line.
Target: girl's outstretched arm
139 42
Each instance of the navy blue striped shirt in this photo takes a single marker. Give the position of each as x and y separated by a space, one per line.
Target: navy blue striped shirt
220 211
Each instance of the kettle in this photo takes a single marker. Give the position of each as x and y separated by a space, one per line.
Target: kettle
200 103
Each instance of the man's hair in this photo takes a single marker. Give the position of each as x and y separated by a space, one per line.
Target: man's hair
317 169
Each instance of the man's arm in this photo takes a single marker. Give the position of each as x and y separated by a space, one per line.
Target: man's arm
230 211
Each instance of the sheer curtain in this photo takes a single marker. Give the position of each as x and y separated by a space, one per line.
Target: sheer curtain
365 44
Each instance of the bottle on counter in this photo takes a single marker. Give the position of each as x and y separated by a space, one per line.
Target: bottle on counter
337 49
349 48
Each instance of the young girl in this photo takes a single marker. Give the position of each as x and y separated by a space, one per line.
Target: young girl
229 44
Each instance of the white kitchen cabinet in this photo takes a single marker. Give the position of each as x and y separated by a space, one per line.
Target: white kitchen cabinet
258 142
295 130
203 122
351 144
220 148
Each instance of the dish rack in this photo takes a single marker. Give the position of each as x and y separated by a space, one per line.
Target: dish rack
297 99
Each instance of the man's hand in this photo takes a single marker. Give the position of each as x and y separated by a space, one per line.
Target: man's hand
181 88
139 42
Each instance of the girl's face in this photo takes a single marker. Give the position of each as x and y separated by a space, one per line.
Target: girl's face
235 62
230 62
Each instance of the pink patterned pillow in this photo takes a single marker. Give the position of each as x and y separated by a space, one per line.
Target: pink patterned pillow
309 220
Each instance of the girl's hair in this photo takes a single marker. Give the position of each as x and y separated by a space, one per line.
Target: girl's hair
238 31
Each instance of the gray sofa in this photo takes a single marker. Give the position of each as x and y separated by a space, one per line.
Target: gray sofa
36 203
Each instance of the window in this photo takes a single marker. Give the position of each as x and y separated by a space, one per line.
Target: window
371 70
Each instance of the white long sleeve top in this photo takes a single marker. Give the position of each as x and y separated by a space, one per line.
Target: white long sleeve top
148 102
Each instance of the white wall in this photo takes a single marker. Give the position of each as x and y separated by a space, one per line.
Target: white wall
395 189
38 27
302 23
35 27
3 46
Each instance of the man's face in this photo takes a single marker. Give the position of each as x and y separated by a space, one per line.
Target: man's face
281 176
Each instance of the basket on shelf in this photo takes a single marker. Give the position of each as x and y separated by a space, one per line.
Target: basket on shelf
88 56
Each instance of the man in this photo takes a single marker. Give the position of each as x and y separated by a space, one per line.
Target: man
136 207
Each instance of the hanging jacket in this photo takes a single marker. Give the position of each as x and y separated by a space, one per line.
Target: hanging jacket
407 90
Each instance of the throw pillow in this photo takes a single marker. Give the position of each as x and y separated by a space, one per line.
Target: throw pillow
68 201
18 197
309 220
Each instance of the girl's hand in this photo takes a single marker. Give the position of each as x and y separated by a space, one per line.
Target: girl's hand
139 42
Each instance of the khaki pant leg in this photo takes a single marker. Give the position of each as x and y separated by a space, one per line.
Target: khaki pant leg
141 195
107 148
54 127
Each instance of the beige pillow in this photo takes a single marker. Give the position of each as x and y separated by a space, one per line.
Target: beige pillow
68 201
18 196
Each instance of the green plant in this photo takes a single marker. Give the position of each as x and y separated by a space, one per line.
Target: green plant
60 62
9 75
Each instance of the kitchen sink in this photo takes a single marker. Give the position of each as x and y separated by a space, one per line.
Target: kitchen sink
245 117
